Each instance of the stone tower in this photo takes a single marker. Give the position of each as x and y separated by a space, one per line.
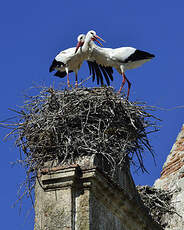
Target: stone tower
172 178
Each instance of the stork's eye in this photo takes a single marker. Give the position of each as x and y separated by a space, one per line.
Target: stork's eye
92 33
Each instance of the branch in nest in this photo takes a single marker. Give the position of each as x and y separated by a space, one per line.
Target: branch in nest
64 125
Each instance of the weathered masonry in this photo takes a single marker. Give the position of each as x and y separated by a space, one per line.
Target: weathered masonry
82 197
172 179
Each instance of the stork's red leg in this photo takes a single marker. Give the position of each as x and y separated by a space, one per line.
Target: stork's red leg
68 81
129 85
76 80
123 82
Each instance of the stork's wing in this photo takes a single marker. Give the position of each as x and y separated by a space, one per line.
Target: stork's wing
110 70
139 55
99 71
105 74
55 64
122 54
62 58
61 74
91 70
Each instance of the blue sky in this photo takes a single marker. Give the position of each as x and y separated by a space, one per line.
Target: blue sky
33 32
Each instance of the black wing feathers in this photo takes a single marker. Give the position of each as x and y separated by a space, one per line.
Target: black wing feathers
105 75
109 71
55 64
99 71
62 74
139 55
91 69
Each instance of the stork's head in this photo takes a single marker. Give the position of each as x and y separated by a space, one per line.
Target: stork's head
80 39
90 36
94 37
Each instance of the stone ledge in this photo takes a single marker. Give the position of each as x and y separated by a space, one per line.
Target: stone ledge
58 177
112 196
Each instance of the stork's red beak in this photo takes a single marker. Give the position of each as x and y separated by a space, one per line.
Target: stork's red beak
79 44
95 39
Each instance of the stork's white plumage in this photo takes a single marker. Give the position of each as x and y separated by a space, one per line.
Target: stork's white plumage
68 61
94 67
121 59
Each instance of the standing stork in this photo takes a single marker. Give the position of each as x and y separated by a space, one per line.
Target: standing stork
68 61
121 59
94 67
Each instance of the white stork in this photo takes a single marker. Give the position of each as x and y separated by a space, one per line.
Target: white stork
121 59
94 68
70 61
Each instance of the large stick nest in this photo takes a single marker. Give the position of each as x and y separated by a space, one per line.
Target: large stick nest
62 126
158 202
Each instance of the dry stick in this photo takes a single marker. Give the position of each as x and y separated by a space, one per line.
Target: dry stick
67 124
85 80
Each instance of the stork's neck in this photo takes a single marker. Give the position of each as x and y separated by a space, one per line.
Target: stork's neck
86 45
94 48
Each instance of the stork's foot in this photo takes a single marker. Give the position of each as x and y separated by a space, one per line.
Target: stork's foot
119 92
68 84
